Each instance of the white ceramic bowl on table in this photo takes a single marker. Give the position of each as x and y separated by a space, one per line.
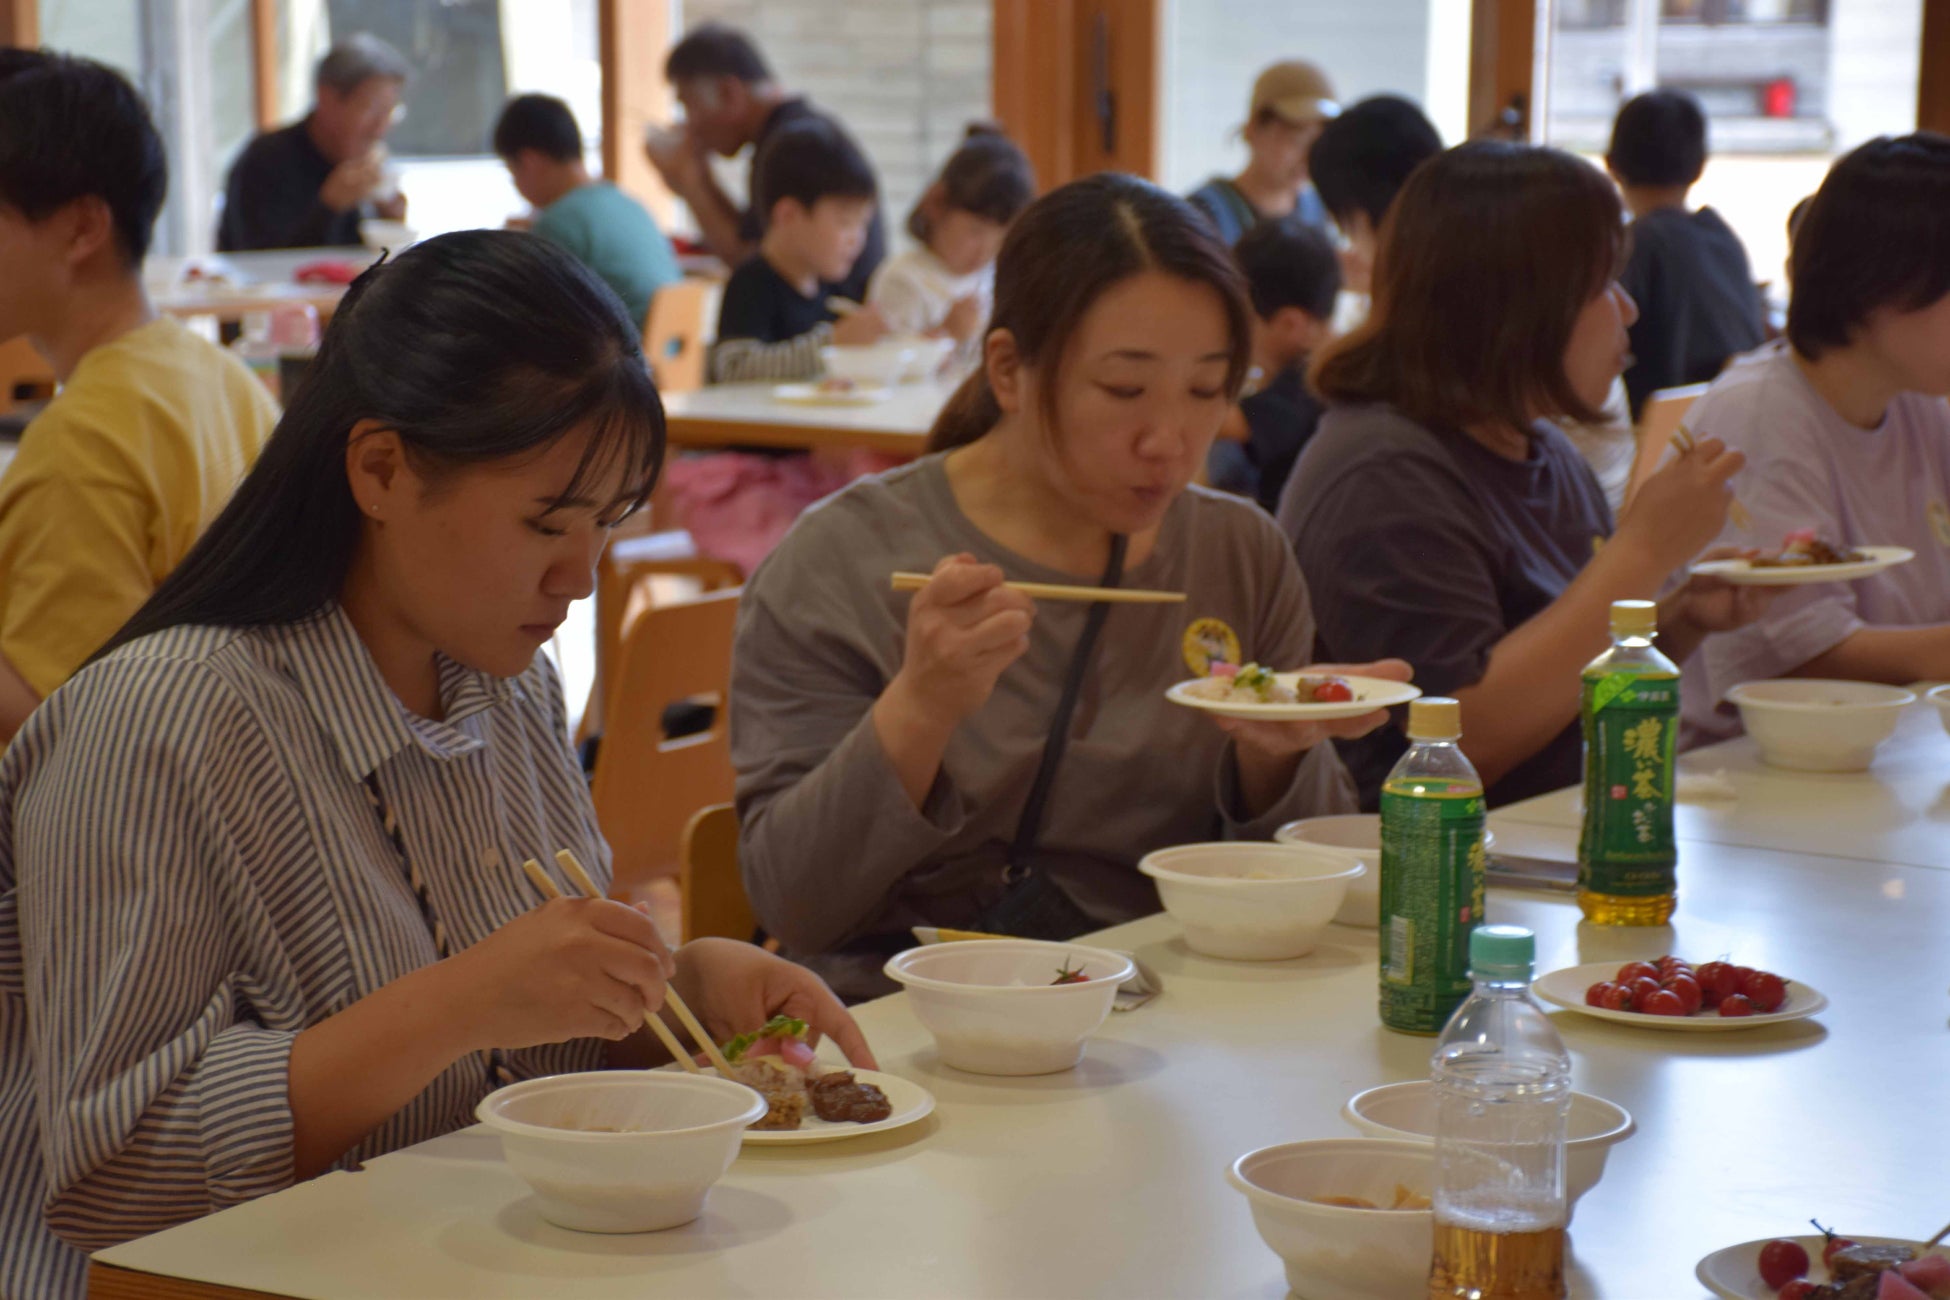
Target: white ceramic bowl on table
1251 901
1334 1252
1352 837
1940 696
621 1150
886 363
993 1008
380 232
1812 725
1406 1111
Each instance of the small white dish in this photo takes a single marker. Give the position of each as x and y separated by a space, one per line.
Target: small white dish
1733 1272
1809 724
993 1007
819 395
1337 1252
1353 837
1744 573
910 1101
1370 693
1406 1112
1251 901
1566 988
621 1150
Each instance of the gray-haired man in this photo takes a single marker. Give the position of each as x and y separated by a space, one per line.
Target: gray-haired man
308 184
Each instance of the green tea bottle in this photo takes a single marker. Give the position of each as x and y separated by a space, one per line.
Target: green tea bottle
1431 872
1626 855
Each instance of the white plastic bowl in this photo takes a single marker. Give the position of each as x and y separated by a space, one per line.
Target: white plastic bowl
379 232
1251 901
1812 725
1940 696
991 1006
678 1134
891 361
1353 837
1406 1112
1333 1252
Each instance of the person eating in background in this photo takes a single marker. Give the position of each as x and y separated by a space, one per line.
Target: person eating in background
1360 163
260 861
889 746
152 426
309 184
732 101
1294 277
1290 104
1440 514
1846 431
1698 305
605 229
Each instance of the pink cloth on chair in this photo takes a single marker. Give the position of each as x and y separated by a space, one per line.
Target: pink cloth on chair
738 506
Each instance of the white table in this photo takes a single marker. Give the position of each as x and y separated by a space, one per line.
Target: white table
252 282
1108 1181
727 415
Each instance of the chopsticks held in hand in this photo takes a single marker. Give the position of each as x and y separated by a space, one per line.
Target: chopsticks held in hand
569 864
1057 591
1682 441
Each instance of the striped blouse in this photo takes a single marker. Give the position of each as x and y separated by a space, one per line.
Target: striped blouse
192 872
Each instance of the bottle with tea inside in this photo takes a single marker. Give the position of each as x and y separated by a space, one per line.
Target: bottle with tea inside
1626 854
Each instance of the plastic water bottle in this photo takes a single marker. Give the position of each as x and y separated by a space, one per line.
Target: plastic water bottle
1431 871
1627 857
1503 1093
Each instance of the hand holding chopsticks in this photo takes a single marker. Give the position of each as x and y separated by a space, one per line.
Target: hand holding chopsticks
1683 442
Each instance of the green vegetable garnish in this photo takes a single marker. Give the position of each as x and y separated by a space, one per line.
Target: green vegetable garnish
776 1027
1254 678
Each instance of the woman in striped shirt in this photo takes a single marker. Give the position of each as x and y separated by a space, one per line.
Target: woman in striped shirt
261 907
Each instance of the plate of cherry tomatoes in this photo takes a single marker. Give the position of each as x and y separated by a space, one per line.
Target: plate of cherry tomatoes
1670 993
1813 1267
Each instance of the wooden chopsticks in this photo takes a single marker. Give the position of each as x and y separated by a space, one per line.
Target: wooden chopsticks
1682 441
567 861
1056 591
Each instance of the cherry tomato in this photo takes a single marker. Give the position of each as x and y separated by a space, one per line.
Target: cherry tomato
1688 990
1716 981
1635 970
1618 997
1670 966
1831 1243
1736 1005
1333 691
1781 1262
1643 988
1799 1289
1766 990
1663 1003
1595 995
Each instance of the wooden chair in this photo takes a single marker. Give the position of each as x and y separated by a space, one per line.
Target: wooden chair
1664 412
24 376
646 787
674 335
714 902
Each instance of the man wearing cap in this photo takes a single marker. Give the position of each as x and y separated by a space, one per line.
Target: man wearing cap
1291 102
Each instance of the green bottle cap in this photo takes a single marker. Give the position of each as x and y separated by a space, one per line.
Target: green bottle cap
1502 952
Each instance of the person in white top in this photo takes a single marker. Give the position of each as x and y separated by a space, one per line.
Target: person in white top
942 287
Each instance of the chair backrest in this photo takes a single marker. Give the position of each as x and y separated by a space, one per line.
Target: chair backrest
646 787
24 376
1664 412
714 902
623 590
673 335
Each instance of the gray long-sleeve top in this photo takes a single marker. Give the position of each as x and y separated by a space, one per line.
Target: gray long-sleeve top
839 862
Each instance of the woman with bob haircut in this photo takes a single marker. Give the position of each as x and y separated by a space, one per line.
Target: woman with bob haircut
261 897
1847 433
1440 513
962 756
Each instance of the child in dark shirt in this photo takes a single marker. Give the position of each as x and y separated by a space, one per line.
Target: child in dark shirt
818 192
1687 271
1294 276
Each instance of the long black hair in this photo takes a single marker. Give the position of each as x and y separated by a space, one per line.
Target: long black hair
473 347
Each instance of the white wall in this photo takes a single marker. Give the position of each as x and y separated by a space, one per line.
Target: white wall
1873 68
1212 50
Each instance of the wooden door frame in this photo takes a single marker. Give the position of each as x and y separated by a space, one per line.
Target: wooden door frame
20 22
632 38
1502 62
1041 88
1933 81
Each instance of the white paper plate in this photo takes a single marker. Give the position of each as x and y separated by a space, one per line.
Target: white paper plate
911 1102
1565 988
1370 693
1734 1273
1742 573
814 395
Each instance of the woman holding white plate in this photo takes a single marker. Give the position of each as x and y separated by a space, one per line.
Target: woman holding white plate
888 746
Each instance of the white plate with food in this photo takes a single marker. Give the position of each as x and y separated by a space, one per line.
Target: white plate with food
1783 569
1567 988
1735 1273
1266 696
809 1100
830 392
908 1102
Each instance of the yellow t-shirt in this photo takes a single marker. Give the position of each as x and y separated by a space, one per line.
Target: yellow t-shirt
112 483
